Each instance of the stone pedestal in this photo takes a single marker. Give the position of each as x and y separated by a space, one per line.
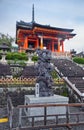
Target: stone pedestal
56 99
3 60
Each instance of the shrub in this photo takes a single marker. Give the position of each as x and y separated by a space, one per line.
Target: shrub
78 60
22 63
16 56
9 56
35 58
54 74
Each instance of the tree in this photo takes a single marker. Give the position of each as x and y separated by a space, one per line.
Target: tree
6 39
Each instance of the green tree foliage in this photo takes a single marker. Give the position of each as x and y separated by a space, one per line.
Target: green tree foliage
6 39
78 60
54 74
35 58
16 56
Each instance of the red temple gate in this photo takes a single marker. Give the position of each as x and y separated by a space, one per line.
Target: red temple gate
33 35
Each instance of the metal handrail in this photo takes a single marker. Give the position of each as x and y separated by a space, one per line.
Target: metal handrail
55 123
67 115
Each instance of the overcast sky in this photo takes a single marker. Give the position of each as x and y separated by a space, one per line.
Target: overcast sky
57 13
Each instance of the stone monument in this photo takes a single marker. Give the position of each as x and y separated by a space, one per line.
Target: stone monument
43 90
44 80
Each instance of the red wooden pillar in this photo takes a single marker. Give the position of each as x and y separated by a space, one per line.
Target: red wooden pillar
59 44
37 43
26 43
41 43
62 46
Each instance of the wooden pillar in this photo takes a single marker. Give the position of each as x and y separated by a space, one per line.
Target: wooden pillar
26 43
41 42
62 46
35 44
59 44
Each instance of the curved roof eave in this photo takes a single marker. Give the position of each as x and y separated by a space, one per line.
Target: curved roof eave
54 28
31 25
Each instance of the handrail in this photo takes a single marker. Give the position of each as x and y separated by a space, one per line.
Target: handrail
45 116
72 86
49 105
67 123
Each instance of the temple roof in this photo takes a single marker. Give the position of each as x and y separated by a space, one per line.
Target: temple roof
31 25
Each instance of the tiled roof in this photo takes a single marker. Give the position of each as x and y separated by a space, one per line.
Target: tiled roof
31 25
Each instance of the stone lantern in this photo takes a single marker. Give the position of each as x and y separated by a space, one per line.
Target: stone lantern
3 51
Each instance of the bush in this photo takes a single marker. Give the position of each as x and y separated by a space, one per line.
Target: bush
9 56
54 74
22 63
78 60
35 58
16 56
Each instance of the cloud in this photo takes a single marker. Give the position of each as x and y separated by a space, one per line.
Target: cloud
58 13
76 42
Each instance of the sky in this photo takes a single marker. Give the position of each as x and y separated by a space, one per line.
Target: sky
57 13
